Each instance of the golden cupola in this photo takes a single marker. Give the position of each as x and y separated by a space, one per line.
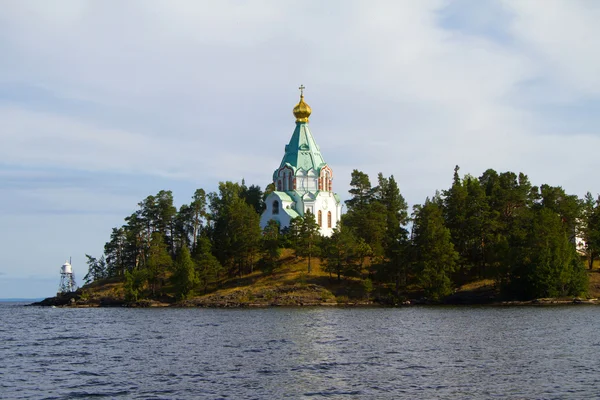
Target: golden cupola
302 110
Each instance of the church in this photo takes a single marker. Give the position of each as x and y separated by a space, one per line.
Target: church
303 181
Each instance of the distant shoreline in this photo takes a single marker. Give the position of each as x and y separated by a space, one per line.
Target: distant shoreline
73 301
21 300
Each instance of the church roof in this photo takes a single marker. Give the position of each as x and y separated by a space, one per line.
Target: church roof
302 151
283 196
292 213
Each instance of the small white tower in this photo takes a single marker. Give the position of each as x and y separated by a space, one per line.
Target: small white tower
67 279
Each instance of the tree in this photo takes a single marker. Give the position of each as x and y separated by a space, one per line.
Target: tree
116 253
361 190
308 238
159 262
96 269
395 240
291 235
254 197
589 228
270 245
134 283
184 277
546 264
344 252
165 223
208 267
236 231
435 257
466 212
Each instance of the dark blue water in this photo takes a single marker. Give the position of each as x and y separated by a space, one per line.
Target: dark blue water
412 353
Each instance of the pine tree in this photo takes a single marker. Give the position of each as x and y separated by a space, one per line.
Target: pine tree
96 269
208 268
134 284
435 257
184 277
308 238
270 246
159 262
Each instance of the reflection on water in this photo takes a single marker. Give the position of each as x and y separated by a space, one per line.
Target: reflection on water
451 353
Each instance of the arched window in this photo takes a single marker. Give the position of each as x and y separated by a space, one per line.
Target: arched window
328 219
275 207
320 218
290 182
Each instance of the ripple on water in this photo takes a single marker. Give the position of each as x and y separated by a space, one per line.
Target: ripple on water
295 353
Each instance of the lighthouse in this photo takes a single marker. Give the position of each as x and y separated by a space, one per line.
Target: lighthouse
67 279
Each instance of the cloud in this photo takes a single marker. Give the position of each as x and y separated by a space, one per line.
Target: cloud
186 93
562 37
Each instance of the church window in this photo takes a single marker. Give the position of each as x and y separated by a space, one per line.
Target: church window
275 207
320 218
328 219
290 183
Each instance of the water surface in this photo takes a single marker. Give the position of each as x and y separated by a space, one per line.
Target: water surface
298 353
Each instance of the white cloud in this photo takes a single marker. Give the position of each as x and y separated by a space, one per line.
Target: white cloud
203 91
562 37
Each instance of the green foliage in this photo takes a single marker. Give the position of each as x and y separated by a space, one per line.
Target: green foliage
236 231
270 246
361 190
208 268
96 269
589 228
435 257
547 265
367 285
344 253
134 283
253 196
159 262
184 277
308 238
496 226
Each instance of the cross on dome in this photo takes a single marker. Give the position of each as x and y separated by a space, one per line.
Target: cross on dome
302 110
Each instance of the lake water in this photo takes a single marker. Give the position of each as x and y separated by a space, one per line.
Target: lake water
298 353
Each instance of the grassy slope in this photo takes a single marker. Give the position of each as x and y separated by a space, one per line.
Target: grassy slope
290 284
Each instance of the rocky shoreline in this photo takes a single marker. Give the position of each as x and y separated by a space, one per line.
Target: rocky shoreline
75 300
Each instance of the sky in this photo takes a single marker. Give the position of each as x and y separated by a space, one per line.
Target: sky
104 102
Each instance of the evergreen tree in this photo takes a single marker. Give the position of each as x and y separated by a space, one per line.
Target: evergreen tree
546 264
589 228
254 197
159 262
116 253
134 284
184 277
361 190
208 268
466 214
344 253
291 235
96 269
270 246
308 238
395 239
236 232
435 257
366 215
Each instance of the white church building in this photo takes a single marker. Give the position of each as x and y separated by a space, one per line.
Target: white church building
303 181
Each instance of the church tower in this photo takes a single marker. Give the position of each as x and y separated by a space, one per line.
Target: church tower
303 180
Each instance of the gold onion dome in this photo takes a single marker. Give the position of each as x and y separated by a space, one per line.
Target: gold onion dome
302 110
